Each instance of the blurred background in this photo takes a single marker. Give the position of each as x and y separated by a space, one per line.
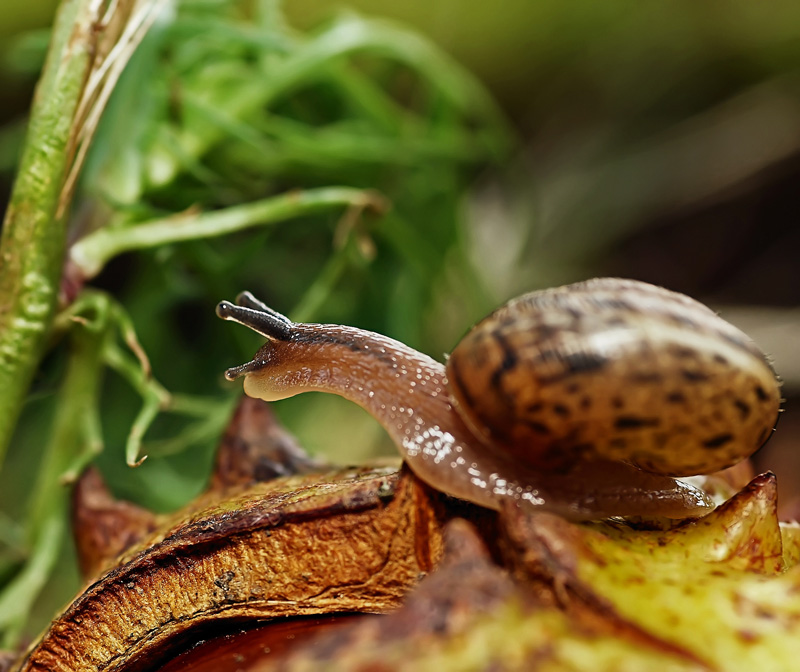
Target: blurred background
659 141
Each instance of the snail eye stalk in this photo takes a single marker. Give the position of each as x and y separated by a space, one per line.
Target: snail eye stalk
253 314
236 371
247 300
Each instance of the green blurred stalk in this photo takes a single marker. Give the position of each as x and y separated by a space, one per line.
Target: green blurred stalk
91 253
34 229
74 430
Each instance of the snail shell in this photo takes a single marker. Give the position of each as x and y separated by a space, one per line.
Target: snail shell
585 400
614 369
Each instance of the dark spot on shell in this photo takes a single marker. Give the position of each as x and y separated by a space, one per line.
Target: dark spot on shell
660 439
545 331
554 460
573 388
719 359
584 448
694 376
762 396
718 441
538 427
509 362
744 408
676 398
682 352
635 422
534 407
617 402
582 362
618 442
646 377
560 409
573 363
586 402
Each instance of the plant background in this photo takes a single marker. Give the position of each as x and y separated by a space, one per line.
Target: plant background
660 142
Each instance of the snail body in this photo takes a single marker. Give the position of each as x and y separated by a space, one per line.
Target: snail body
586 400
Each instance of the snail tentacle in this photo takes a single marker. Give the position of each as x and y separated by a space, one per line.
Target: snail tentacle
268 322
247 300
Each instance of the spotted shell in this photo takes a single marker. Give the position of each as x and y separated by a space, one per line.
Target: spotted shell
614 369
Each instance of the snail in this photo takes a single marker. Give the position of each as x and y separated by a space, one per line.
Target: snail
588 400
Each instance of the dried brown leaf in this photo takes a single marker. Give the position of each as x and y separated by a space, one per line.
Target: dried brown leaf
257 448
470 615
354 540
104 527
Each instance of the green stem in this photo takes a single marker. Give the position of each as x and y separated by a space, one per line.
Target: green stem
19 595
68 442
34 231
321 289
91 253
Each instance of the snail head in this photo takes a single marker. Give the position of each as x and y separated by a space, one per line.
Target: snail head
269 375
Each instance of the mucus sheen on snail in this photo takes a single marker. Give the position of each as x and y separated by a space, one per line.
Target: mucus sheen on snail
587 400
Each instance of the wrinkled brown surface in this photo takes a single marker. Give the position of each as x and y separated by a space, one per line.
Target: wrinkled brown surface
467 583
468 615
252 547
718 593
354 540
444 606
518 591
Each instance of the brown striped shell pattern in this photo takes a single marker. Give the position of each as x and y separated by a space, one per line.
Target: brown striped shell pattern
614 369
587 400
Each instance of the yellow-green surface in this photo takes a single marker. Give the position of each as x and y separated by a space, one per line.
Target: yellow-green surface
19 16
719 587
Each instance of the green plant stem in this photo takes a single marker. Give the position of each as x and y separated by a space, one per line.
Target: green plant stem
320 290
72 434
19 595
33 238
92 252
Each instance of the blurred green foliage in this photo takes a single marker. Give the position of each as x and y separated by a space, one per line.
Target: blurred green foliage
19 16
223 105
